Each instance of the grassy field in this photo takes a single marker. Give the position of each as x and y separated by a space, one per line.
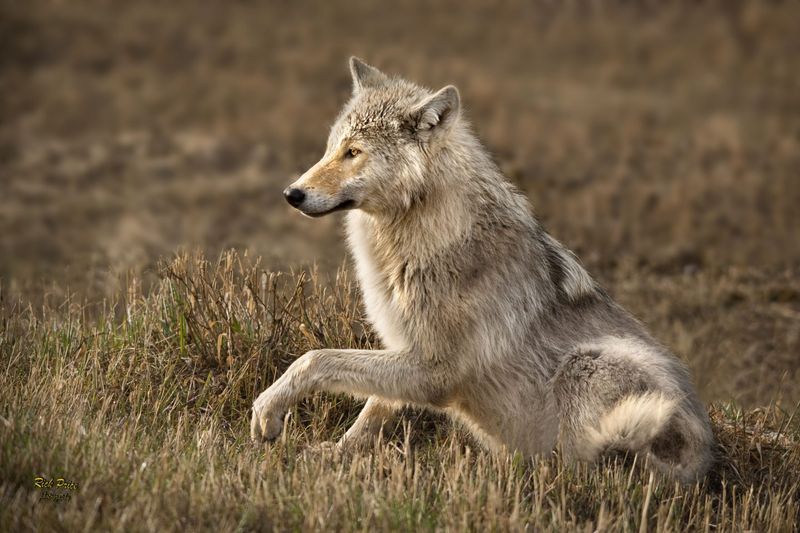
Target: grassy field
661 142
146 410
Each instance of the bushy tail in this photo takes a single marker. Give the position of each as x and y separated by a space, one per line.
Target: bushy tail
675 438
631 425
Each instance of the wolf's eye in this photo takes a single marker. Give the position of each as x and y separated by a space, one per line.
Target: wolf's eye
352 152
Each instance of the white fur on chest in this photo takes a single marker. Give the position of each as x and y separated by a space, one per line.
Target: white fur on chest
382 312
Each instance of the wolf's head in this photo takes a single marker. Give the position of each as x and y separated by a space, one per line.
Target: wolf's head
379 147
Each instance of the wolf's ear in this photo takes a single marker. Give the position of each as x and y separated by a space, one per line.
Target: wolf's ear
365 75
436 113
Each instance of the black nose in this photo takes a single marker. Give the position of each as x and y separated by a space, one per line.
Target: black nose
294 196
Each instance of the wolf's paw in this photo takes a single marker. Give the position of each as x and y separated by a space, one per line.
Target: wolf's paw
267 421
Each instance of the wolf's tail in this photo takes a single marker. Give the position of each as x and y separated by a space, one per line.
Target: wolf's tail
630 426
668 432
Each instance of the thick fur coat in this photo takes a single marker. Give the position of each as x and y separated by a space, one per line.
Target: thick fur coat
483 315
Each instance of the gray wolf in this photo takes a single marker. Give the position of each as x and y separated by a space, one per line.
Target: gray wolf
483 314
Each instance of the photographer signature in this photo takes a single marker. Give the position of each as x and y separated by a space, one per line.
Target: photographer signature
55 489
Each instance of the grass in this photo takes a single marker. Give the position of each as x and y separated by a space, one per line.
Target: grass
658 140
142 400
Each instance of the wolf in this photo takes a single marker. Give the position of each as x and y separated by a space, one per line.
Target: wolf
482 314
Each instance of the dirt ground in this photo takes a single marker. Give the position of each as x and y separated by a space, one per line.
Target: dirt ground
662 143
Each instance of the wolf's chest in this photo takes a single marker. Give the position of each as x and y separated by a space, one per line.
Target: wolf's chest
386 304
388 300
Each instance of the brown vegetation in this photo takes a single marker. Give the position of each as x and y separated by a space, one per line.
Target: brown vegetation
661 142
146 409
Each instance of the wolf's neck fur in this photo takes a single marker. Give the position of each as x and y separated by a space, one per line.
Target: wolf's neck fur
466 195
434 221
459 181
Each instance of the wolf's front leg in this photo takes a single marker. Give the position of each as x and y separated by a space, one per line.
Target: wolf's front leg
394 376
376 413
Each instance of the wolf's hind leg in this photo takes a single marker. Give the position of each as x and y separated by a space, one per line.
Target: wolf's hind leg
587 386
610 402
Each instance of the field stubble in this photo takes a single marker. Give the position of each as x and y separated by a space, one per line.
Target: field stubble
661 142
146 408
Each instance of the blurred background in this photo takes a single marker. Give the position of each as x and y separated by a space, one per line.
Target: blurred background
661 142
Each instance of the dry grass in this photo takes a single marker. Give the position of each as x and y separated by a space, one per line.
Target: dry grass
144 404
659 140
